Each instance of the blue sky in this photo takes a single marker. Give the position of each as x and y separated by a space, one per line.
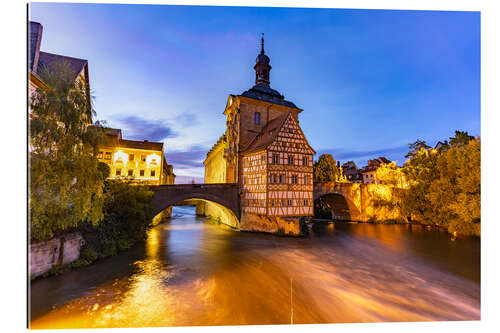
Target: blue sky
369 81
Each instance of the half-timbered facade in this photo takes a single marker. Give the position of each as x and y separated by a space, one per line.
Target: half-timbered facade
278 171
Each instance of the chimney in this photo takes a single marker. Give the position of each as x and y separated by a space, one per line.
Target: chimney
35 39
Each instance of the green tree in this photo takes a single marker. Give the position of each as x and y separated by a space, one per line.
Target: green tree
65 184
390 174
415 147
460 139
325 169
444 186
128 214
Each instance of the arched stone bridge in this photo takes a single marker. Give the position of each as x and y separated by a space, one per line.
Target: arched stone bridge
344 199
347 201
357 202
223 194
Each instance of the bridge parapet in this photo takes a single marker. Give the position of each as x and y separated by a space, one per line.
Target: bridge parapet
224 194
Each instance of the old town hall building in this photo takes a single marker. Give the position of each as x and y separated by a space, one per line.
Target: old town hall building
265 151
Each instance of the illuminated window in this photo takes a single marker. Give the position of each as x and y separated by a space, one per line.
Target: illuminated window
276 158
141 173
107 155
99 155
290 159
153 173
131 157
143 158
130 172
256 118
118 172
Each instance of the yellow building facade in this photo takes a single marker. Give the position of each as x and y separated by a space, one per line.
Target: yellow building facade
141 161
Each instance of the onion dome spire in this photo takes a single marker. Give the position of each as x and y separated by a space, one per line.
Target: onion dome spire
262 67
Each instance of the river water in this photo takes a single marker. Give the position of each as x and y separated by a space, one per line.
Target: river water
190 272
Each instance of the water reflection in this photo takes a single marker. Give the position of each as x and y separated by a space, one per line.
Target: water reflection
193 273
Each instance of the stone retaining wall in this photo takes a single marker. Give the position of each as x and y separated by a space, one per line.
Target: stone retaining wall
59 250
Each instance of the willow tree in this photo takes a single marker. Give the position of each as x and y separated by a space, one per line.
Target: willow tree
65 185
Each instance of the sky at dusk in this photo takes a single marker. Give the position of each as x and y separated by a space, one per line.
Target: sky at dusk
369 81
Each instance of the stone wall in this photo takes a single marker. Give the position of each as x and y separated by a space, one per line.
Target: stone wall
59 250
273 225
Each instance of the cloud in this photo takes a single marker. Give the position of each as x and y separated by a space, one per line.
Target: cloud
192 157
187 119
137 128
394 153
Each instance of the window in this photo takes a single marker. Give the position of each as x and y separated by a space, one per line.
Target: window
118 172
276 158
283 203
153 161
263 179
304 161
107 156
130 172
141 173
99 155
153 173
263 158
289 202
282 179
256 118
143 158
306 203
283 144
290 159
306 179
131 157
274 179
272 203
294 179
297 145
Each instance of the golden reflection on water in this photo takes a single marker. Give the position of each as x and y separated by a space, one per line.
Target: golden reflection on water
199 274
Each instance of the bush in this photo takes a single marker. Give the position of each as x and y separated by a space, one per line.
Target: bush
128 214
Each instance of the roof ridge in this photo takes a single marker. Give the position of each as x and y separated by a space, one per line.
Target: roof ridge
63 56
280 120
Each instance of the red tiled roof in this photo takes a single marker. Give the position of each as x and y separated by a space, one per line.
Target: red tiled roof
50 60
264 139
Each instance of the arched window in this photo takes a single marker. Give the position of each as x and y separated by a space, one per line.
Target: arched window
256 118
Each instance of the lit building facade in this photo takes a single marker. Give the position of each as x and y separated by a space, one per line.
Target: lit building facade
369 172
141 161
264 151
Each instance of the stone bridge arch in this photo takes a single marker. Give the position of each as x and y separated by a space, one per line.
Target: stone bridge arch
225 195
345 199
